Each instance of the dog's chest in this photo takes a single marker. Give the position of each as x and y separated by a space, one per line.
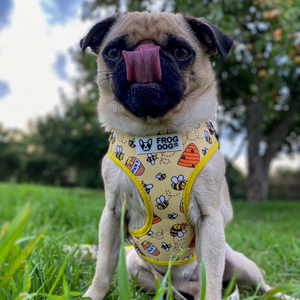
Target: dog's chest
117 182
136 212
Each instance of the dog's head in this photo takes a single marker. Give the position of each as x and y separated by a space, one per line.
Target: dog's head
154 69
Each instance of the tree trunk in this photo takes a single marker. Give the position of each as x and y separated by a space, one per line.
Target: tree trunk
258 168
257 180
259 163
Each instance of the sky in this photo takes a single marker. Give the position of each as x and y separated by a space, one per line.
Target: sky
35 39
35 63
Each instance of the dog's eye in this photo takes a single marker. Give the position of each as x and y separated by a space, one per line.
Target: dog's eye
181 53
114 53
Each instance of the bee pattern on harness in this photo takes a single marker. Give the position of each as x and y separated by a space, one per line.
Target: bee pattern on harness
204 151
210 128
162 203
188 257
150 233
188 138
159 235
119 153
207 137
112 136
152 158
173 257
131 143
172 216
178 183
178 230
161 176
165 157
138 251
178 246
166 246
147 187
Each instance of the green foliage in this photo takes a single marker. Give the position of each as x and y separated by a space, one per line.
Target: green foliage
76 139
164 283
230 286
284 184
12 149
65 147
203 281
264 59
236 182
262 67
45 268
125 293
33 245
268 234
70 212
62 148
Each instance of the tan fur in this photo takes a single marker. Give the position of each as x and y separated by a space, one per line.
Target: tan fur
200 98
209 209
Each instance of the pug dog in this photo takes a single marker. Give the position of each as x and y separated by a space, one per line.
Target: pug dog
155 77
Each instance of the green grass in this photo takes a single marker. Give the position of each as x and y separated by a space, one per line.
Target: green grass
268 233
63 210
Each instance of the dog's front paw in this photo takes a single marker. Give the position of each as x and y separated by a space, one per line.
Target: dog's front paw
93 294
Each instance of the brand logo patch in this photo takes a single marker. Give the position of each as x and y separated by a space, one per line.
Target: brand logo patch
159 143
146 146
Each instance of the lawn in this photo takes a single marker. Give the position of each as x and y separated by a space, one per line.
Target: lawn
268 233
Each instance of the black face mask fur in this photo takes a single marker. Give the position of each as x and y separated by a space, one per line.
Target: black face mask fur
153 99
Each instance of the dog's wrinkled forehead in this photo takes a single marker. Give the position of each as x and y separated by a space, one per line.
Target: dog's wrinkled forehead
142 27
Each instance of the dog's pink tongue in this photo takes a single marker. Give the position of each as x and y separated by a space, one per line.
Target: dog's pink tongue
143 64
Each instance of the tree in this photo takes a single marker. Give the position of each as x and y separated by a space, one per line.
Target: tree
75 138
12 149
259 82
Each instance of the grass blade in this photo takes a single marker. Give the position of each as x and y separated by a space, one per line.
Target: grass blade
284 289
230 286
61 271
296 293
13 231
159 295
157 282
26 277
203 281
123 274
162 288
170 292
4 293
66 289
134 283
18 262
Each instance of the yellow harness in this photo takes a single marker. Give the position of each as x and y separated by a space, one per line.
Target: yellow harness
163 168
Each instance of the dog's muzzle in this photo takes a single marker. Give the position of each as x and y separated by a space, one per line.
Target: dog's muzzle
143 64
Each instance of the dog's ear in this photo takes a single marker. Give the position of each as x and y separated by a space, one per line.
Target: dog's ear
96 35
150 142
141 143
213 38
